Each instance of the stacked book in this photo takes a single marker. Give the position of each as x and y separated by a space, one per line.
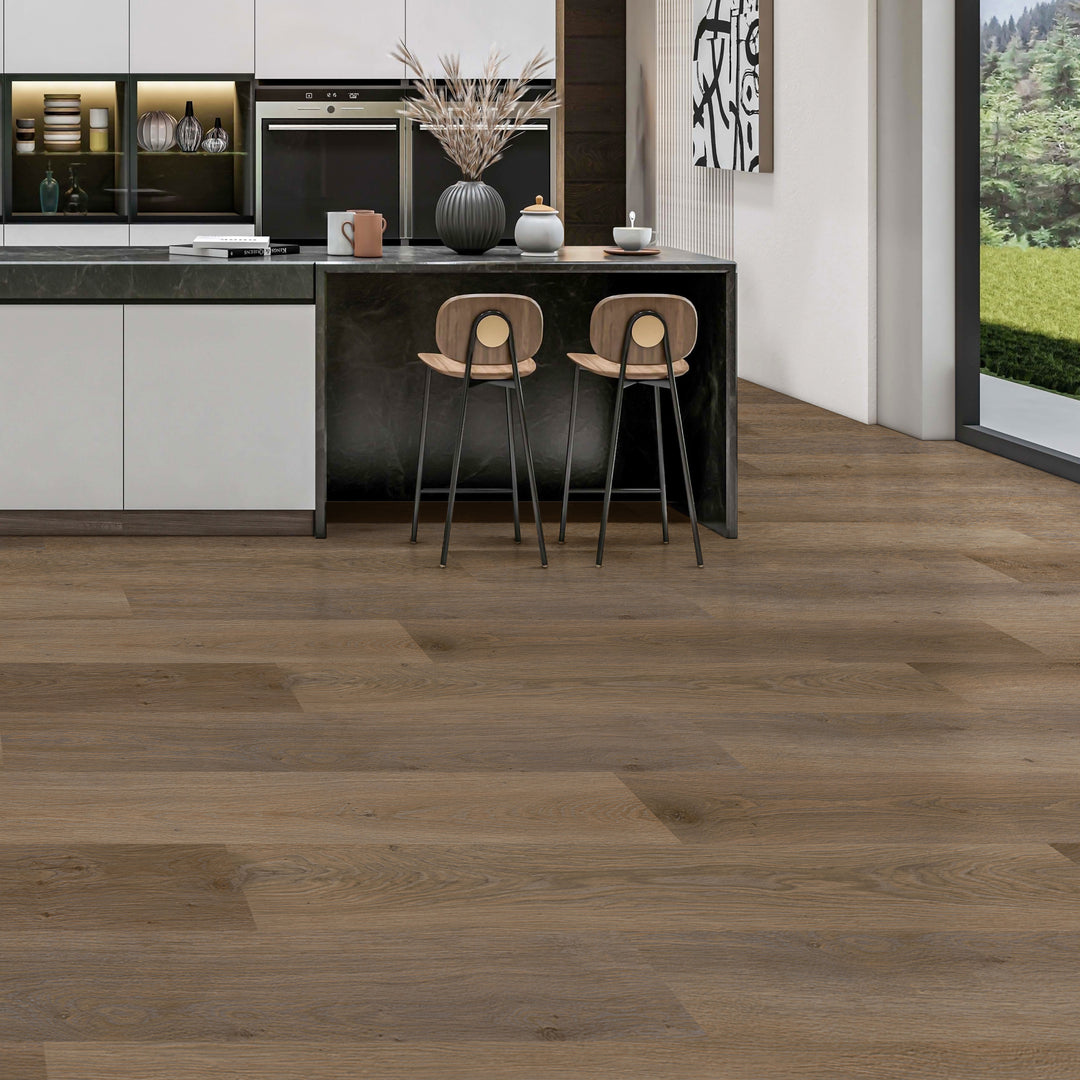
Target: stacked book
63 122
233 247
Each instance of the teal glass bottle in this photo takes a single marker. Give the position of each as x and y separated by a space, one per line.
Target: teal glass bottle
49 191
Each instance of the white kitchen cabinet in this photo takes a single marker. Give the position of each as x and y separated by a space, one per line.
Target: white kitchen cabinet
199 37
60 235
66 37
219 407
164 235
61 406
328 39
520 28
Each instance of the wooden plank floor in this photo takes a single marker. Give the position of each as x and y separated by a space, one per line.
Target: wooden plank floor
287 810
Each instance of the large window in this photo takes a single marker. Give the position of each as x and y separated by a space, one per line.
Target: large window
1019 211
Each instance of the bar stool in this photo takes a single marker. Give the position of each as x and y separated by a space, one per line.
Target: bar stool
651 336
480 338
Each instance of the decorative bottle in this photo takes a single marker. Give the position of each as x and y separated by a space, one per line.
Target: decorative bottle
76 201
217 138
49 191
189 131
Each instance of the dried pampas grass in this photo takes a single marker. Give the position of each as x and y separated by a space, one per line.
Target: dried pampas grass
475 119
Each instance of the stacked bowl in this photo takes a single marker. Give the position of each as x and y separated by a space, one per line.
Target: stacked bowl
25 134
63 122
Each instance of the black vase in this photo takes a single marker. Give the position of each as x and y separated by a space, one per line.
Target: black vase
189 131
470 217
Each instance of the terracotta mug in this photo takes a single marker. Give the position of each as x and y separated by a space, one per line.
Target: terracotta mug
365 233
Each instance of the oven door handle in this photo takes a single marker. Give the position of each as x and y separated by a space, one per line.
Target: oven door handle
503 127
332 127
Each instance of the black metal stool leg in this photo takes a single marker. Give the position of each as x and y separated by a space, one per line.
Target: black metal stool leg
420 457
529 465
569 455
663 469
685 462
454 474
610 482
513 466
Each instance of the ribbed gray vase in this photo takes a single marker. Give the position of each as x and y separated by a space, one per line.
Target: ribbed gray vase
470 217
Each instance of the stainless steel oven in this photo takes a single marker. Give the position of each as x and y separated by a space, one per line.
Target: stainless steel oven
323 148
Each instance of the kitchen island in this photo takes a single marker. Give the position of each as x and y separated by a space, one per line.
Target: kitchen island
242 396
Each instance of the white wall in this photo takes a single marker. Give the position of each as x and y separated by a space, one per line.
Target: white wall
845 253
916 296
805 235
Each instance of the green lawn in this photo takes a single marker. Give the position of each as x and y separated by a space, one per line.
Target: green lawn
1031 316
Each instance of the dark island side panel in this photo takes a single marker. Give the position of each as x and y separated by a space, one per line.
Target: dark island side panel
377 322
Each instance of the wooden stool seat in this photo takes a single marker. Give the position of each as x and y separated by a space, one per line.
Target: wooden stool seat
637 372
456 369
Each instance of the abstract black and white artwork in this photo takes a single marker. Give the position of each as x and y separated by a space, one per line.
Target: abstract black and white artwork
732 84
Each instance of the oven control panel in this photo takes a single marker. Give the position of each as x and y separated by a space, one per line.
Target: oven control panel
326 95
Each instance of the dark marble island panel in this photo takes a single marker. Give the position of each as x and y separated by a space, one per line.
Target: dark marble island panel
376 315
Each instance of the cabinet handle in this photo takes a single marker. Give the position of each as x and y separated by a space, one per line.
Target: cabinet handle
332 127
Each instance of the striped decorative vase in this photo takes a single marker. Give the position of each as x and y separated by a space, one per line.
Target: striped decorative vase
470 217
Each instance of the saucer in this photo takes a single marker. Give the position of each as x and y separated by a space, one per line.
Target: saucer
623 251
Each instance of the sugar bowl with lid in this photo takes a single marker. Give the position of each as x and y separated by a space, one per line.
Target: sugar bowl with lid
539 231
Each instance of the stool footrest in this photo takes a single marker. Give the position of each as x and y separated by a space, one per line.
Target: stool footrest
467 491
616 491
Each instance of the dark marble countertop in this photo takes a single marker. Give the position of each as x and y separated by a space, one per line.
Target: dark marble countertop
132 274
150 275
503 260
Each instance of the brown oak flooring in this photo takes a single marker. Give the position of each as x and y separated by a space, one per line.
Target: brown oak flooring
273 809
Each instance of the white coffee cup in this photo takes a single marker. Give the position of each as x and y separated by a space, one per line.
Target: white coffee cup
336 242
630 239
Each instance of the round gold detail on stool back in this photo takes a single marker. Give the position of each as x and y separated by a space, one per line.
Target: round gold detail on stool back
648 332
493 332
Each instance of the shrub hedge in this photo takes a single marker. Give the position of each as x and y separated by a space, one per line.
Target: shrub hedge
1052 363
1031 316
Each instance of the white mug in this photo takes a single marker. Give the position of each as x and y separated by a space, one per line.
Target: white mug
336 242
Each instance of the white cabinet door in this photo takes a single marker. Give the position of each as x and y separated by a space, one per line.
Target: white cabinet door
60 235
199 37
164 235
219 407
64 37
328 39
61 406
520 28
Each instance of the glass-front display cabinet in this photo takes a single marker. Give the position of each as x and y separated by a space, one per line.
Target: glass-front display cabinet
129 149
192 156
66 150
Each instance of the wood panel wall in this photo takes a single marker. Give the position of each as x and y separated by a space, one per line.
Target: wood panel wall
593 85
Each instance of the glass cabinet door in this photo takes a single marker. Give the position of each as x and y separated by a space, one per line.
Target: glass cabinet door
191 150
67 151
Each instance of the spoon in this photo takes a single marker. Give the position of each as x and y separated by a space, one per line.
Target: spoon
633 218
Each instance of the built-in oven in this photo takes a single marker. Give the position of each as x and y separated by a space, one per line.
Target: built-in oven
527 169
321 149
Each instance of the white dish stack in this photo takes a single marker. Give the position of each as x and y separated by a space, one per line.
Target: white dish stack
25 135
63 122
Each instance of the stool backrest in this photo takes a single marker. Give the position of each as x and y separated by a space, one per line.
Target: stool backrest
611 319
454 326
